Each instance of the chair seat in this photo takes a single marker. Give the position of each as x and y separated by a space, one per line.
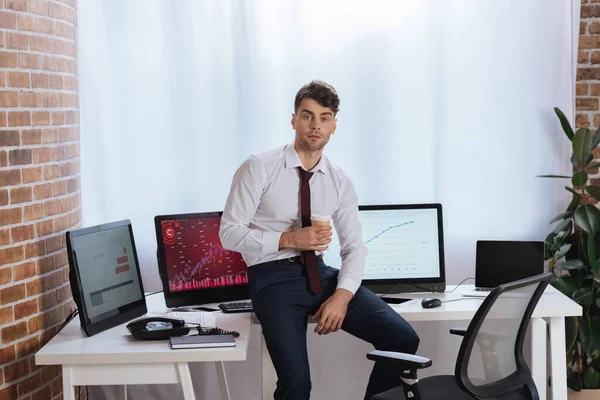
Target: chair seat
442 387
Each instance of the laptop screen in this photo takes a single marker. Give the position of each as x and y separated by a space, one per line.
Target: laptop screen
499 262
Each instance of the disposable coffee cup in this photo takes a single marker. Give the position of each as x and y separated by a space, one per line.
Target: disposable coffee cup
320 219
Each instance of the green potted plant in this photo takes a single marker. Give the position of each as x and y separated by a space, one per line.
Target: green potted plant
572 253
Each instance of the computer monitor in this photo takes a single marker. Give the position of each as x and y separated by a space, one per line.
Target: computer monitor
405 246
193 266
104 274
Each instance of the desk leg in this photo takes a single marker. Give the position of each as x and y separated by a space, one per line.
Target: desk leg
123 392
269 377
222 380
558 358
538 355
186 381
68 388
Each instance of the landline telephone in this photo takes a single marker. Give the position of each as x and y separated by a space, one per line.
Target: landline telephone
157 328
162 328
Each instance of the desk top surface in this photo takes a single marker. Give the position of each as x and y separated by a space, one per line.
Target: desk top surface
116 345
552 304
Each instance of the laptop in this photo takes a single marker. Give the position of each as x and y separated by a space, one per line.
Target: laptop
500 261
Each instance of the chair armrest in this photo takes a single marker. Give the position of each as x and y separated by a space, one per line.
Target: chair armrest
458 331
403 360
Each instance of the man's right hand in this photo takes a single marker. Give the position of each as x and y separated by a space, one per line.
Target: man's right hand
315 238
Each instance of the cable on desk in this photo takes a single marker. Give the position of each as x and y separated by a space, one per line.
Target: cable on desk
150 294
71 315
463 281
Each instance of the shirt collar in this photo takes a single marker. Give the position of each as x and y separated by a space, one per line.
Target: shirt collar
292 160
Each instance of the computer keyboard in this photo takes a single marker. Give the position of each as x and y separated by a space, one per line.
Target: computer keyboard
234 307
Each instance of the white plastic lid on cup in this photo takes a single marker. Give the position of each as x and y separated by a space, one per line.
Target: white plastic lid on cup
320 217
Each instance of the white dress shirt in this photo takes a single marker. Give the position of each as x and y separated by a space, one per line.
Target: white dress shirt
264 201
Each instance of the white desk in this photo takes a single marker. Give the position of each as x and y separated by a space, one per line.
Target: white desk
552 309
113 357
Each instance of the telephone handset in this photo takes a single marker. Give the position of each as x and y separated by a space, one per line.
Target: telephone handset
157 328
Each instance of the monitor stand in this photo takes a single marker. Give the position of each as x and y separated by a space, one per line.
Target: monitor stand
394 300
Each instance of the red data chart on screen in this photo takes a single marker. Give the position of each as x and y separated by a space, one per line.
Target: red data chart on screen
196 259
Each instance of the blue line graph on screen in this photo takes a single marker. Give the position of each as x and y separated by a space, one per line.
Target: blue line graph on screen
387 229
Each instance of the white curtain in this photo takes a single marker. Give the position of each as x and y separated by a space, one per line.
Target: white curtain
448 102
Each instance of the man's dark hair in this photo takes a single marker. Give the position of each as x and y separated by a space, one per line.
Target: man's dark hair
321 92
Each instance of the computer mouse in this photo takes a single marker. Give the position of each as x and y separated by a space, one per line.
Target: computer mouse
430 302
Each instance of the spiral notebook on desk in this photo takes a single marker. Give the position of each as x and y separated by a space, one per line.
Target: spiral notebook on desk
202 341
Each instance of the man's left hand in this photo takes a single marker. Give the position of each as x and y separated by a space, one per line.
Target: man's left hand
332 312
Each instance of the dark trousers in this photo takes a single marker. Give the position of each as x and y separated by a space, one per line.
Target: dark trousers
283 301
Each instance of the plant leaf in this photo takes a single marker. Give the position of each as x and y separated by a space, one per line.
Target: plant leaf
565 284
589 336
591 378
572 191
575 161
554 176
574 203
594 191
582 144
588 160
565 225
587 217
571 329
592 253
571 264
563 251
593 166
583 297
564 122
596 139
579 179
562 216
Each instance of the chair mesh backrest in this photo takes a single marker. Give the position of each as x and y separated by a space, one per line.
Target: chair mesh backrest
496 353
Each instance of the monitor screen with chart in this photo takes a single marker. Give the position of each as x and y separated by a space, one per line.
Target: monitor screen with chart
405 248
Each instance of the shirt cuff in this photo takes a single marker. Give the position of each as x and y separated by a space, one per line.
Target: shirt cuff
348 284
270 242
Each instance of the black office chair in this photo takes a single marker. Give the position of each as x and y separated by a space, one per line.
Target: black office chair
495 368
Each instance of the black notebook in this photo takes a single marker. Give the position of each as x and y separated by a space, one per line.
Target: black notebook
202 341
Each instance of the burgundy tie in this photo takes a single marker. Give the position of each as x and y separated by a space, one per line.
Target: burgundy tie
309 257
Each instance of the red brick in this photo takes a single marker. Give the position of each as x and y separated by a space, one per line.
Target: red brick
19 157
39 43
25 309
51 172
9 216
8 393
45 392
31 136
586 103
6 316
9 98
4 237
582 121
3 114
55 279
14 332
10 177
12 293
3 197
43 191
42 155
32 383
35 249
56 81
44 228
17 41
50 100
5 276
583 57
25 270
29 61
52 207
40 80
39 7
34 211
40 118
8 60
28 23
50 135
32 174
18 369
53 243
59 188
36 286
30 99
47 26
20 195
22 233
19 118
3 158
50 64
10 138
47 300
7 354
8 20
11 255
17 5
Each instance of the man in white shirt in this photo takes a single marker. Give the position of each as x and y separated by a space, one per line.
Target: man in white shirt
267 219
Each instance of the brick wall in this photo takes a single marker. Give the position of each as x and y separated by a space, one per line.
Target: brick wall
39 186
588 67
